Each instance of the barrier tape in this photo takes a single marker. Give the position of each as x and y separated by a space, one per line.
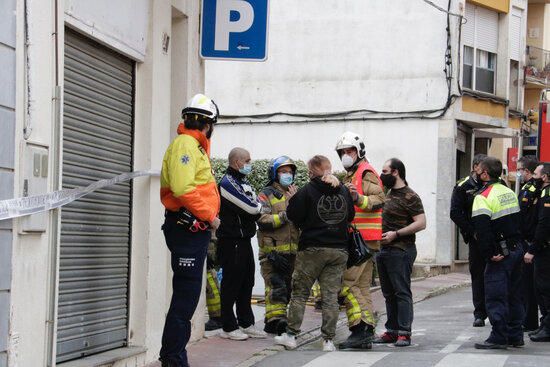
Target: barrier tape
20 207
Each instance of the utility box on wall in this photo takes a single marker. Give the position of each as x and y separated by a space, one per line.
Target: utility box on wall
35 182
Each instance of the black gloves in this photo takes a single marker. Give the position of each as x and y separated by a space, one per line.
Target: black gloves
279 262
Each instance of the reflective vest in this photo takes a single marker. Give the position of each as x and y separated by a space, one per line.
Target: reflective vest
369 223
495 201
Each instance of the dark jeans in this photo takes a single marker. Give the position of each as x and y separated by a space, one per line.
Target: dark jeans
394 269
237 261
542 279
476 264
188 252
504 298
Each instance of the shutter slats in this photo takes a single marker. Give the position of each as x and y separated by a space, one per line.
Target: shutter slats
515 34
486 25
468 30
95 230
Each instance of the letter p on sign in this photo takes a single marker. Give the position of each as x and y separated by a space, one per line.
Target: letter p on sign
234 29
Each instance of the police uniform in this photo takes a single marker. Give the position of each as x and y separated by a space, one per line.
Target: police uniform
461 214
541 250
276 235
495 216
528 197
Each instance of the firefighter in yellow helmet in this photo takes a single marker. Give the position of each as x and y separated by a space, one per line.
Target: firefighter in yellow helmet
278 242
367 192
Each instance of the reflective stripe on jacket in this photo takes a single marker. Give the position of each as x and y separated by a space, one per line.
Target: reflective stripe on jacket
368 222
274 233
186 177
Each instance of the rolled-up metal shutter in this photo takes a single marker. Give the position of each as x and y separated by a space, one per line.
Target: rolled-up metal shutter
515 34
486 25
95 230
468 30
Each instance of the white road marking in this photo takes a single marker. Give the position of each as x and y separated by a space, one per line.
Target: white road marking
351 359
469 360
453 346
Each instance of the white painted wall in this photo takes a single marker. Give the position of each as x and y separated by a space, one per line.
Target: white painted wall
341 55
150 280
376 55
121 24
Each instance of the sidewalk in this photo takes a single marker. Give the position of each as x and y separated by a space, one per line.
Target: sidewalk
212 351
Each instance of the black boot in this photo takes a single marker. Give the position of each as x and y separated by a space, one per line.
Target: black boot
281 327
271 327
214 323
542 336
358 338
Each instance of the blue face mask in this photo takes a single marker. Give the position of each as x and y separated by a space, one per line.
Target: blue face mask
246 169
286 179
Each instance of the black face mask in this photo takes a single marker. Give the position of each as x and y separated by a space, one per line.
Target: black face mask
388 180
538 182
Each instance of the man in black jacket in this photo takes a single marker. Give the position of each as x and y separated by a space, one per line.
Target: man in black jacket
461 214
240 208
322 210
539 251
528 198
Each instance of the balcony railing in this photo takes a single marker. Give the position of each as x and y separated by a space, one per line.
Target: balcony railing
537 68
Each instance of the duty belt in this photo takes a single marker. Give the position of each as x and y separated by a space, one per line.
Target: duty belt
184 218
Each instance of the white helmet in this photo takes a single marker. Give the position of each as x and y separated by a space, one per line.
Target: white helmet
202 105
351 140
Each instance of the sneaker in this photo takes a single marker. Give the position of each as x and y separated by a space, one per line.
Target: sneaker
403 341
386 338
234 335
328 346
252 332
286 340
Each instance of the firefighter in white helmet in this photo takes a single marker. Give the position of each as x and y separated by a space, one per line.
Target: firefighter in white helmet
367 191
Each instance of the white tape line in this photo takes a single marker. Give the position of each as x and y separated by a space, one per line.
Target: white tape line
14 208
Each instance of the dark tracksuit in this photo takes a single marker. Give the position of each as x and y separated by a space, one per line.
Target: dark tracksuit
239 211
461 214
495 215
528 197
541 250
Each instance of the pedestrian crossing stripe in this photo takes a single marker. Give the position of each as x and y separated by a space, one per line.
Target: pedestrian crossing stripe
352 359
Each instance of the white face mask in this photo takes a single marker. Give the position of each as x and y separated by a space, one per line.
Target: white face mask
347 161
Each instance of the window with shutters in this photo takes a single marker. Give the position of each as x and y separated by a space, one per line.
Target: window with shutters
480 49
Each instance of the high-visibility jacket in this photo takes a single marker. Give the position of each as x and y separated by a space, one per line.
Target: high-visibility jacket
275 233
186 177
495 215
368 222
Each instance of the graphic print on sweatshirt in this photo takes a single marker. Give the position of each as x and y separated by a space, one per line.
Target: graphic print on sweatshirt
332 209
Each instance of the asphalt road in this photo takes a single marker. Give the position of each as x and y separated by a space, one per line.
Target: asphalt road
443 336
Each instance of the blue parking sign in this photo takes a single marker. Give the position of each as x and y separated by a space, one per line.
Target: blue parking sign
234 29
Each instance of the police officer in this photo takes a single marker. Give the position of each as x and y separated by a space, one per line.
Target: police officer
367 191
461 214
278 242
528 197
495 215
190 196
540 249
